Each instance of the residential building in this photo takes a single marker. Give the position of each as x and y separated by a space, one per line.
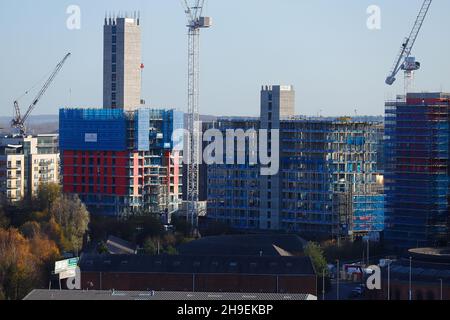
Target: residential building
40 163
12 172
120 161
328 185
417 170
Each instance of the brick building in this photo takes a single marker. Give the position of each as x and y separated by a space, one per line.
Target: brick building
199 273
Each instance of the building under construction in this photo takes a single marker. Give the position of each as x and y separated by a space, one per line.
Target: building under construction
120 162
328 185
330 181
417 170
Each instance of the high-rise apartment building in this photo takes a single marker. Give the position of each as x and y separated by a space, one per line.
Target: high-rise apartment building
417 170
122 63
119 161
277 103
328 183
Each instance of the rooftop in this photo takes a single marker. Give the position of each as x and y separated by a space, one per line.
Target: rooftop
246 245
277 265
161 296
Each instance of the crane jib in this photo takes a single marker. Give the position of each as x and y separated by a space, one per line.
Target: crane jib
19 122
408 45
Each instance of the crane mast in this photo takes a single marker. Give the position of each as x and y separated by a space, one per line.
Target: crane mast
195 22
404 61
19 121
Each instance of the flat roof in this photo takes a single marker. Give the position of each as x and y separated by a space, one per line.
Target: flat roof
64 295
210 264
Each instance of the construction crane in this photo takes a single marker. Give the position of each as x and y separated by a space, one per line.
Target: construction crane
195 22
18 122
404 60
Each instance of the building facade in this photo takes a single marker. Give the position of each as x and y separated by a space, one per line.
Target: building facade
328 185
211 273
120 162
12 172
122 62
417 170
329 178
30 162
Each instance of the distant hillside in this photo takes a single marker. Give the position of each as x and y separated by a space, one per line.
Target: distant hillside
36 124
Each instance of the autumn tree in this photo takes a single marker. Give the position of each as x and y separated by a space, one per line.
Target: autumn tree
30 229
4 220
71 214
18 266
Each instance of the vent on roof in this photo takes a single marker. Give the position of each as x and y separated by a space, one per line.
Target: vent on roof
107 261
177 263
215 264
289 265
158 262
197 264
124 262
233 264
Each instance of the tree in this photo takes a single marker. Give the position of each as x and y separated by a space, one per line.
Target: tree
315 252
150 247
47 194
102 248
30 229
171 251
182 226
71 214
4 220
19 268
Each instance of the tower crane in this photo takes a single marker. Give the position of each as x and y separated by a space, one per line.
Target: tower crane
19 121
404 60
195 22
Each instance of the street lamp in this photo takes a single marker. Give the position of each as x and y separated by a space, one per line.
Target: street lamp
410 278
389 282
337 278
441 289
323 285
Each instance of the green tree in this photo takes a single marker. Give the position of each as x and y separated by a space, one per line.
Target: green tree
47 194
171 251
150 247
315 252
71 214
101 248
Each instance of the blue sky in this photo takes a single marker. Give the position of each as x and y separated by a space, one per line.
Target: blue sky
322 47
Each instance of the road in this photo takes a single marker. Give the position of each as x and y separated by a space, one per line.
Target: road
345 290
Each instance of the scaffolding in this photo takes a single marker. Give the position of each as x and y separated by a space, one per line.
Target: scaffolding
327 167
417 170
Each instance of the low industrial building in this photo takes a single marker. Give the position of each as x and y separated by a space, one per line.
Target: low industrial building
246 245
228 274
429 269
